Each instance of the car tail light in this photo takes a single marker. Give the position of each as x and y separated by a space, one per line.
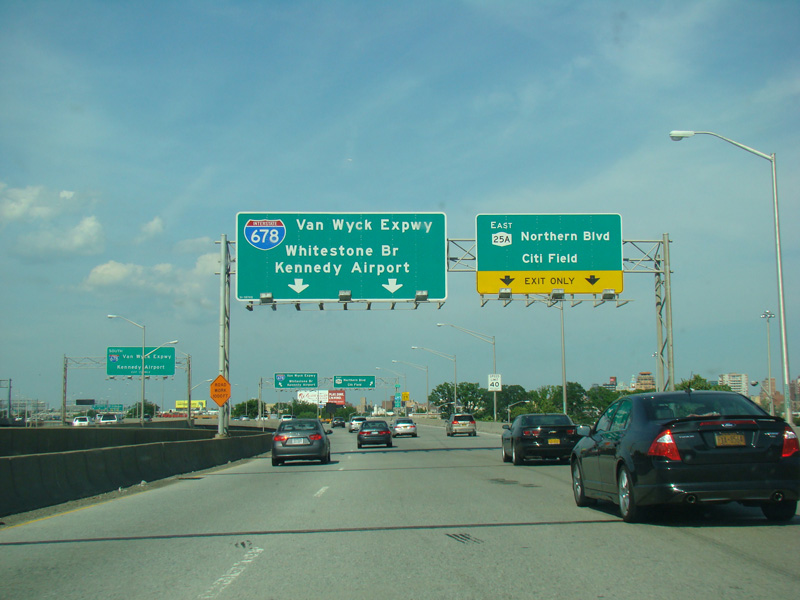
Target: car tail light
472 422
570 432
384 432
664 446
531 432
315 437
280 438
790 443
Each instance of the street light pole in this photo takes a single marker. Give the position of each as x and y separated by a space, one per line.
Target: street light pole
679 135
455 372
399 375
421 368
767 315
484 338
142 327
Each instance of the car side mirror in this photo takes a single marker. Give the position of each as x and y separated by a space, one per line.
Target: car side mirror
329 431
506 426
584 430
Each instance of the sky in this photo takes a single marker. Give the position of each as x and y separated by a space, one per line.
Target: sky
131 135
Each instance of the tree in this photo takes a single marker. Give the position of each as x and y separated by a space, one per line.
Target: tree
135 410
597 400
700 383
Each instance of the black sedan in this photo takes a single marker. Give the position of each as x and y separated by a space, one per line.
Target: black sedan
539 436
687 447
374 433
301 439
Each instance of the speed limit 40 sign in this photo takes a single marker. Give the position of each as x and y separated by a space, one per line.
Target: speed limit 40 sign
495 385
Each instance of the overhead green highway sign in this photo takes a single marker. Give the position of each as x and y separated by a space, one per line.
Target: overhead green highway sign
295 380
354 381
537 253
335 256
128 361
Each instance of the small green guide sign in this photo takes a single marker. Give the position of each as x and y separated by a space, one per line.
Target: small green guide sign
296 380
354 381
317 256
128 361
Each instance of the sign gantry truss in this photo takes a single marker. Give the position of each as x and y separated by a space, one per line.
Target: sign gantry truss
639 256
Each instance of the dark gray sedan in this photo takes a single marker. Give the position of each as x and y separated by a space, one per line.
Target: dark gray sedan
301 439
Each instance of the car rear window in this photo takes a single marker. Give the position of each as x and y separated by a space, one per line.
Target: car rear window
374 425
546 420
463 418
697 405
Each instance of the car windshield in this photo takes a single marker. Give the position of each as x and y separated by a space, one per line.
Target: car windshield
295 425
545 420
699 405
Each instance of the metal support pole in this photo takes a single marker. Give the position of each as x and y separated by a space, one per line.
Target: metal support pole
224 330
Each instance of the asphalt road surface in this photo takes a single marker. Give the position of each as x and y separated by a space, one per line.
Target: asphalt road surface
432 517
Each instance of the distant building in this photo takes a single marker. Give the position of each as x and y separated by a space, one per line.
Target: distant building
738 382
645 381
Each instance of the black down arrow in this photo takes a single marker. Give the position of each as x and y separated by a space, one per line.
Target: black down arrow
592 280
507 280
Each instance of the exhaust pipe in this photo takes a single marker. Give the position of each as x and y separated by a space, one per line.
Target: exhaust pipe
777 497
691 499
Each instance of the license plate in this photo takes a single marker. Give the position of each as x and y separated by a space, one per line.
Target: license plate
554 441
297 441
729 439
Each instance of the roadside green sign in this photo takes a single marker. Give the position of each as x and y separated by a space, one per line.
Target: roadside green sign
124 360
318 256
295 380
354 381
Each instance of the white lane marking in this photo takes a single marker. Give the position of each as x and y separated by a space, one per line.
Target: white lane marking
321 491
237 569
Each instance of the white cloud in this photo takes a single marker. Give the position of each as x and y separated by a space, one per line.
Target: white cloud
181 286
85 239
35 203
151 229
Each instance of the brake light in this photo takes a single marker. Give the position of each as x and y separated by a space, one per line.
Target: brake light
280 437
315 437
664 446
384 432
530 432
570 432
790 443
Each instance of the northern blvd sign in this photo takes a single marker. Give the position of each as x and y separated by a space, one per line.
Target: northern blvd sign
354 381
537 253
315 256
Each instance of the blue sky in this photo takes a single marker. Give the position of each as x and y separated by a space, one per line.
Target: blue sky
132 133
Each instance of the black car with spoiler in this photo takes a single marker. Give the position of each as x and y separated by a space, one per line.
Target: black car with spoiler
688 447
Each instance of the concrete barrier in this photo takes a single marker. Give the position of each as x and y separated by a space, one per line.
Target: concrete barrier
32 481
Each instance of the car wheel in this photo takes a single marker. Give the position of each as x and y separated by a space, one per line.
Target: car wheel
628 509
276 462
325 459
505 456
577 487
388 444
413 435
515 457
359 444
779 511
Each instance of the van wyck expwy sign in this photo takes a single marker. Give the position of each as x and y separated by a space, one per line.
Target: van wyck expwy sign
316 256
